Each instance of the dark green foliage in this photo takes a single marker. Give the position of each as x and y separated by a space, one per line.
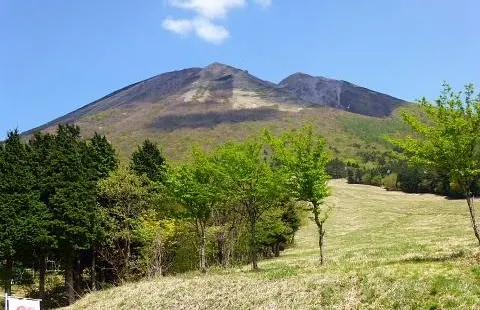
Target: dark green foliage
336 169
22 215
102 157
277 227
66 170
272 232
394 173
148 160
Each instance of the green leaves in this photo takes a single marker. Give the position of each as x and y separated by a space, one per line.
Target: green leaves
21 212
449 139
197 186
148 160
302 155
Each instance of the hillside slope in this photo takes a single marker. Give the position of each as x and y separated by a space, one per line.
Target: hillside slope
385 250
217 103
340 95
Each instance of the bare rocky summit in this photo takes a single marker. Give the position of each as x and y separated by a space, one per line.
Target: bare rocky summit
340 95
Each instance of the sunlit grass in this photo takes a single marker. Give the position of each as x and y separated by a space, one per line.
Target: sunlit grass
385 250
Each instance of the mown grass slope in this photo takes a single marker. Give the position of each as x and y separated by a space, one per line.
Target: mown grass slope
385 250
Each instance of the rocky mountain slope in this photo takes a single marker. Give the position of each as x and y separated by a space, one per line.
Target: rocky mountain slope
209 105
340 95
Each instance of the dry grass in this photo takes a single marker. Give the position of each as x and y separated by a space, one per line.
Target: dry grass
385 250
128 128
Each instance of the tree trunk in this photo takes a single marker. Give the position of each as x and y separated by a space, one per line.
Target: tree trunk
321 230
321 233
473 216
276 249
126 274
203 242
77 275
42 268
221 250
253 242
8 275
69 282
158 257
93 270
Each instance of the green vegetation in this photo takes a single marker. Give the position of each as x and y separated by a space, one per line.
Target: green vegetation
386 250
302 155
105 224
375 130
449 141
67 201
125 129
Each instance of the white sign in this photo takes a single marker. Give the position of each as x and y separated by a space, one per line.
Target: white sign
22 303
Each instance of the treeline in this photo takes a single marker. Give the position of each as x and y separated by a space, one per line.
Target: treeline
391 171
68 201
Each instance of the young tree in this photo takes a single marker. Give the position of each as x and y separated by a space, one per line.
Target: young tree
226 220
148 160
197 186
448 140
124 197
302 154
251 182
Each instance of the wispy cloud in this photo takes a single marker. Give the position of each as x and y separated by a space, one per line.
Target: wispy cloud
207 11
264 3
180 26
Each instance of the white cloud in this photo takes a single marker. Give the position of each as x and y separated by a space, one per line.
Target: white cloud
210 9
203 28
210 32
206 12
180 26
264 3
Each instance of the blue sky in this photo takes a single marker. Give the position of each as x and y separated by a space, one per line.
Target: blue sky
59 55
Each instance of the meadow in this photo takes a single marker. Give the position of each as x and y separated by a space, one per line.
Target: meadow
384 250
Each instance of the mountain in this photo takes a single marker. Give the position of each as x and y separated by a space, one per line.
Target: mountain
340 94
219 102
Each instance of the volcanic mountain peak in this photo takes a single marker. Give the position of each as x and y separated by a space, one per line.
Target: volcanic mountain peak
221 89
340 94
217 70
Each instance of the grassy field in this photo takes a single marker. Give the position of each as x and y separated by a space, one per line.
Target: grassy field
385 250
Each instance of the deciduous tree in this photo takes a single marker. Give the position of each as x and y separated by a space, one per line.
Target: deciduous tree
198 187
448 139
251 182
302 154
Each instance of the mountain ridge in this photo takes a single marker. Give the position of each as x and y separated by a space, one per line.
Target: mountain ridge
218 103
222 83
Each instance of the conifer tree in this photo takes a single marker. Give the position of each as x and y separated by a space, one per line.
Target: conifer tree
22 215
148 160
